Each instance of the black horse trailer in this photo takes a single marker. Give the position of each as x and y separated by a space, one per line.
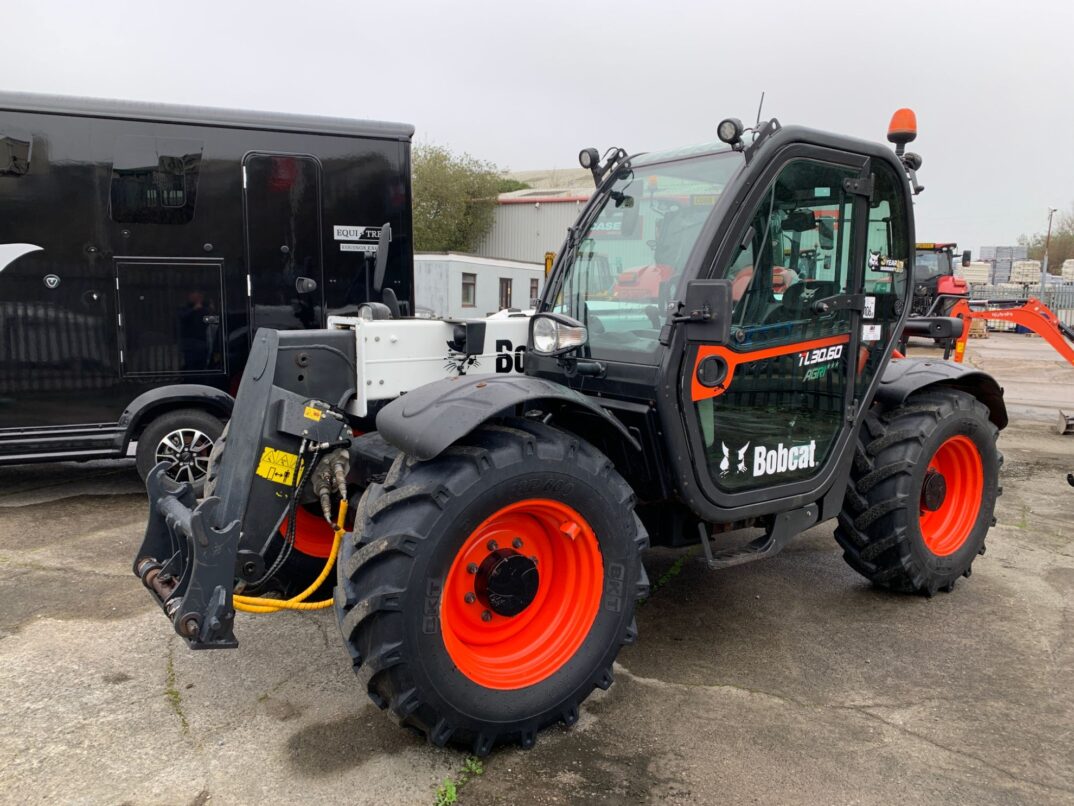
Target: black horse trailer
141 245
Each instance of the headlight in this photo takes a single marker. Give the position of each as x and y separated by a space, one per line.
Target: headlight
555 334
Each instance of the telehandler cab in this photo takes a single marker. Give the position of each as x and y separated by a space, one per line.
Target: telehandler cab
505 475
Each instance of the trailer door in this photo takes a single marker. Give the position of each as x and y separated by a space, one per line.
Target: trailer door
282 209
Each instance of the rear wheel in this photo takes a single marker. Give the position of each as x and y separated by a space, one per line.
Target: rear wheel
483 594
922 493
183 438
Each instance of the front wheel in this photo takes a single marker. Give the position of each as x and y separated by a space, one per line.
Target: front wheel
484 593
923 491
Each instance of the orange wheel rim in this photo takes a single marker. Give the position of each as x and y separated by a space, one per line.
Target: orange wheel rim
956 477
313 535
488 642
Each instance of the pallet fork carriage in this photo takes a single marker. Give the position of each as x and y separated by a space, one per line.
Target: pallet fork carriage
490 485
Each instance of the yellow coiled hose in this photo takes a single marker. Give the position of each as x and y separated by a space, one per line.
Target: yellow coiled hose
259 604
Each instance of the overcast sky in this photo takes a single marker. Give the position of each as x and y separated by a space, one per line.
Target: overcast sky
527 84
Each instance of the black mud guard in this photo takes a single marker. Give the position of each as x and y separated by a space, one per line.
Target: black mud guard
424 422
905 376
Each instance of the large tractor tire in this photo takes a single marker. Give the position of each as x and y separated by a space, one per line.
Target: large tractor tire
923 491
313 542
485 593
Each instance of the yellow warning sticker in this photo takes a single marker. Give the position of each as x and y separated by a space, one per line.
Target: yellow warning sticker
313 414
277 466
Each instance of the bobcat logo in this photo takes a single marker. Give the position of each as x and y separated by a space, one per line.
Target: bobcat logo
725 464
808 294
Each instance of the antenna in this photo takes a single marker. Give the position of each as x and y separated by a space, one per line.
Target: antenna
760 106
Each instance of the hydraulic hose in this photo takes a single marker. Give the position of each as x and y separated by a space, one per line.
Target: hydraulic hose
260 604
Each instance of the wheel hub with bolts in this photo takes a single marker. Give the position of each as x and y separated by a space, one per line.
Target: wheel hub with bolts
933 490
506 582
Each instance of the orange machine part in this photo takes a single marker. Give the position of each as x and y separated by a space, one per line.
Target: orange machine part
734 359
1033 314
512 652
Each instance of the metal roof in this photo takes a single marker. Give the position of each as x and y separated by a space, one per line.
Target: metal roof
201 115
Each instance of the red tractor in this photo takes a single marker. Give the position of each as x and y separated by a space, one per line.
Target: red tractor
934 276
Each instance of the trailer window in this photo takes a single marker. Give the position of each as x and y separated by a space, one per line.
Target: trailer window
469 290
155 180
534 291
505 293
14 154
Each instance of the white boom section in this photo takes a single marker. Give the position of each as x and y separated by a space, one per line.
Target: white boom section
398 355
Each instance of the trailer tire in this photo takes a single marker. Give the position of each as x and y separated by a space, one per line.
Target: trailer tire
194 429
922 492
433 642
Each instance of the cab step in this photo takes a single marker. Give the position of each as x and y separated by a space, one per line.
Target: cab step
782 528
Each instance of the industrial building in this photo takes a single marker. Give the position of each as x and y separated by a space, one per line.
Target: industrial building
530 222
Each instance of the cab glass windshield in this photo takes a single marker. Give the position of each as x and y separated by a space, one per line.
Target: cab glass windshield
629 261
931 264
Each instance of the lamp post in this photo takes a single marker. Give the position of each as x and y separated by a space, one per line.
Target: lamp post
1047 243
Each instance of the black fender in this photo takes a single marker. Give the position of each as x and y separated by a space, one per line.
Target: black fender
425 421
174 396
904 376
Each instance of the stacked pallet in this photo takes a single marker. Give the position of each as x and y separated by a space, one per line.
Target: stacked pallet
979 272
978 329
1025 272
1067 271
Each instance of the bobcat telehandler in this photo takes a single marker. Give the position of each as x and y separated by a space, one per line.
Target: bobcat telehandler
489 486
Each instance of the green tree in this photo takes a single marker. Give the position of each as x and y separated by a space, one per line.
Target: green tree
508 185
1061 246
454 197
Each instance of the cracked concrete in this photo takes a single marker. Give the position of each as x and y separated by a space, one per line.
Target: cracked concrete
786 681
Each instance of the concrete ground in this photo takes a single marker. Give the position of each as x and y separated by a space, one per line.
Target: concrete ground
785 681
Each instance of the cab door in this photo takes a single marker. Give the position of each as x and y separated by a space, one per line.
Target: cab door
282 209
770 412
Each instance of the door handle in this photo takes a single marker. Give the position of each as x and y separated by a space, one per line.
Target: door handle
211 319
285 250
305 285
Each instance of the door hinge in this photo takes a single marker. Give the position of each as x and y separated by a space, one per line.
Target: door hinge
859 185
119 320
249 293
852 412
244 177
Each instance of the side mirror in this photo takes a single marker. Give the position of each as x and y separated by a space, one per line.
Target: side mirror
966 258
826 233
382 257
629 222
706 311
800 221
